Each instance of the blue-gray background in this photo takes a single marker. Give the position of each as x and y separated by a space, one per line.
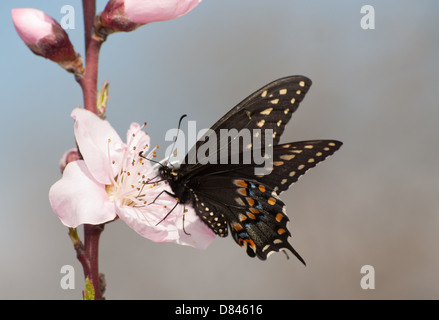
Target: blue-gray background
375 202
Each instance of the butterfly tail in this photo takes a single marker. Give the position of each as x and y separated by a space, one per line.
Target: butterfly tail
260 227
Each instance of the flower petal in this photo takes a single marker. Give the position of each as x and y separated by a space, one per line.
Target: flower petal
147 221
100 145
32 25
77 198
142 12
198 234
137 137
44 36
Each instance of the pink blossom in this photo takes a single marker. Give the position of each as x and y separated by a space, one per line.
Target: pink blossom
127 15
116 180
43 35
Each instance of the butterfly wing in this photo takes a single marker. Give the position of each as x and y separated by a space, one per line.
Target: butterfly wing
269 108
250 204
251 210
292 160
230 196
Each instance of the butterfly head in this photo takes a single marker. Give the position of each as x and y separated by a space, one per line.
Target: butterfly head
173 177
169 174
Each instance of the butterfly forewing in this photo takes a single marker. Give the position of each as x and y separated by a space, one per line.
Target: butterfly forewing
292 160
269 108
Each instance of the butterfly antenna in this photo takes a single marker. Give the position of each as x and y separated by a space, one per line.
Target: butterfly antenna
144 157
154 161
176 137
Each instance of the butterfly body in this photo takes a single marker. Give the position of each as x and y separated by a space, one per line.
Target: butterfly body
234 197
179 187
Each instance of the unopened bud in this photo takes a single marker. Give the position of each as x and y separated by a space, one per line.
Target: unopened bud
128 15
68 156
46 38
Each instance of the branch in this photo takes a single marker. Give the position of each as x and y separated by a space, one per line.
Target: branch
89 80
88 252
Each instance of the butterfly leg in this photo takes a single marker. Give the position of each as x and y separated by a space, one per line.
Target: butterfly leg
167 214
164 191
184 214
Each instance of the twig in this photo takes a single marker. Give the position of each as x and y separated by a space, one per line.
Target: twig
88 252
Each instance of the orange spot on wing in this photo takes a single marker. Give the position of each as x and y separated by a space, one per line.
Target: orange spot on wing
271 201
250 201
251 243
246 242
242 191
261 188
251 216
279 217
281 231
241 183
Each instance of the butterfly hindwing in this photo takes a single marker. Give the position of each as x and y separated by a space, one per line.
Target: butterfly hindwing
211 212
254 212
250 204
261 227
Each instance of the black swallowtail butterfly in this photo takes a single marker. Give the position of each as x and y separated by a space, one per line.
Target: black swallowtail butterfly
229 196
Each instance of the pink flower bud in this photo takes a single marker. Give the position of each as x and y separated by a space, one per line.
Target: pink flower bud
68 156
43 35
127 15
